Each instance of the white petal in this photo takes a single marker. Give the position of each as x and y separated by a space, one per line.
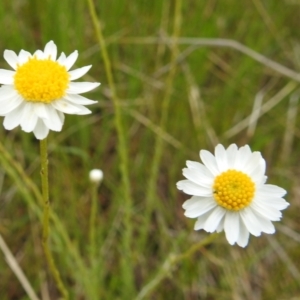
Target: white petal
41 130
70 108
250 221
62 58
232 226
50 50
231 155
12 58
40 109
266 225
29 118
77 99
257 174
39 54
242 156
61 116
198 177
263 165
201 221
278 203
81 87
200 167
191 188
195 165
243 236
7 92
13 119
23 57
221 158
214 219
220 226
6 88
267 211
270 190
65 106
190 202
77 73
9 105
82 110
209 161
197 206
264 180
6 76
253 163
54 121
70 60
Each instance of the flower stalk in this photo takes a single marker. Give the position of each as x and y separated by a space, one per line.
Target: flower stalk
93 215
128 279
45 225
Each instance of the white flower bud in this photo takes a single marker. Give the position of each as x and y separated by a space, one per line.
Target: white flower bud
96 176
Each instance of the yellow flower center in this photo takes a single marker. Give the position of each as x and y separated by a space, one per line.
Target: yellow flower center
233 190
41 80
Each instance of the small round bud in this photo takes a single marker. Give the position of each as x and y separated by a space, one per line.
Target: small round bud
96 176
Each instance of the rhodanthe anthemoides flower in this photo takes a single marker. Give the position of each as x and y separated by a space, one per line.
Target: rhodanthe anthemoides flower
41 89
229 193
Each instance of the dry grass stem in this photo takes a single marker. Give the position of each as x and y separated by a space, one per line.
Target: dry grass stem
15 267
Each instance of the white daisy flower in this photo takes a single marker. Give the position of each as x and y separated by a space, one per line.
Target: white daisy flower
229 193
40 90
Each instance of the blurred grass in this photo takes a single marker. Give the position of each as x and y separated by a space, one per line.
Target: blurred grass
213 90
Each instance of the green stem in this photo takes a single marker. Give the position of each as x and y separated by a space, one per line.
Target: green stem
46 214
94 273
122 152
93 215
169 264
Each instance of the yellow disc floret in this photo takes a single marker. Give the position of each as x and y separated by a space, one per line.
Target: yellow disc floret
233 190
41 80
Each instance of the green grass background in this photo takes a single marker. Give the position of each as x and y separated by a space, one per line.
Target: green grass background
224 84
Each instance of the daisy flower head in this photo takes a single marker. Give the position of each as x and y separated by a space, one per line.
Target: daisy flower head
229 193
39 90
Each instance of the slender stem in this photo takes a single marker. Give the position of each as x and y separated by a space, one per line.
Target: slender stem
122 152
46 214
94 208
94 261
194 248
169 264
